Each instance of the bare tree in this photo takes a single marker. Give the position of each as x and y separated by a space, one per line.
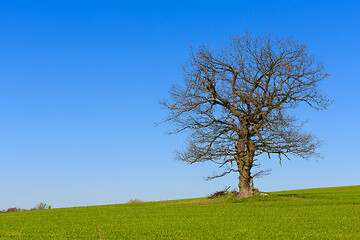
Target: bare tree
236 104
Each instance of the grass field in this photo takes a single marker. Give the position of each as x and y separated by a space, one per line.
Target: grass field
323 213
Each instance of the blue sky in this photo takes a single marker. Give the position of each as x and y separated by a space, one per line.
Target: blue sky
80 83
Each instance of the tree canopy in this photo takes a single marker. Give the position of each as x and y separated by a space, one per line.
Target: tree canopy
235 103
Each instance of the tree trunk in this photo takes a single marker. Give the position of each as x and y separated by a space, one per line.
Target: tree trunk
246 185
245 188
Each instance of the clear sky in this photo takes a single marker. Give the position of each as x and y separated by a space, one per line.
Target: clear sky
80 83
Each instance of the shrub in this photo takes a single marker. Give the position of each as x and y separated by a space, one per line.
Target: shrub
12 210
134 201
42 206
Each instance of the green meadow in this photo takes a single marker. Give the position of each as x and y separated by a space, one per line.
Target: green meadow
323 213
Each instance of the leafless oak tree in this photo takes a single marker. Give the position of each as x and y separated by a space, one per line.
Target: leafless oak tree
236 102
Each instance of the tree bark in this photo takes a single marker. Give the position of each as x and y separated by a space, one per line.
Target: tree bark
245 189
246 185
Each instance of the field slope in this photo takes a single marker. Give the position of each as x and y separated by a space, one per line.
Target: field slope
323 213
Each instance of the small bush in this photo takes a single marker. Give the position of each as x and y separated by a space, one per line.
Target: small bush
134 201
42 206
12 210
